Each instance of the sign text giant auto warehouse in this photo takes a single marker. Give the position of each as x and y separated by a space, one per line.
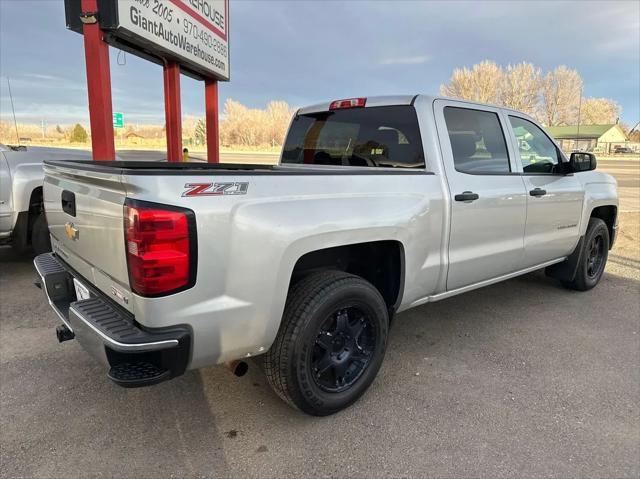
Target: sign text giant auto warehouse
195 31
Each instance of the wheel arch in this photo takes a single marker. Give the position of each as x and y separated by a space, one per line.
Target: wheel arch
25 218
36 204
608 214
382 263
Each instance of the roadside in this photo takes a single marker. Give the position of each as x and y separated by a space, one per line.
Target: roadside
624 259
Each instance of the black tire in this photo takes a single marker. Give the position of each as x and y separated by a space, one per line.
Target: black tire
593 257
40 239
320 302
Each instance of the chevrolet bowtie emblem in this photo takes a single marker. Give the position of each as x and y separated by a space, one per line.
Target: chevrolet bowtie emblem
72 231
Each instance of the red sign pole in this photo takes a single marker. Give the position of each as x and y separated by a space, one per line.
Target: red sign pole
173 115
96 53
211 114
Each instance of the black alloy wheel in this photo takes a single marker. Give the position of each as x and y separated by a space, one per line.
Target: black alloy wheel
343 349
330 344
595 256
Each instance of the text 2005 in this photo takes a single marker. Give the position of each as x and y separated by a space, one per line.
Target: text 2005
162 10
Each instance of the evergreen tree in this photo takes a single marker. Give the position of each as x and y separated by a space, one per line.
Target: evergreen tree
78 134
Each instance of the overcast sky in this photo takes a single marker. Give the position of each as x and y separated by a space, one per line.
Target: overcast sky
309 51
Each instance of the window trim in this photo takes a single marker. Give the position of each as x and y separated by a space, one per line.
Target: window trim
559 151
496 112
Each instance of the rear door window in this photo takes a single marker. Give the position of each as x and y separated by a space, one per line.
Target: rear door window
477 141
386 136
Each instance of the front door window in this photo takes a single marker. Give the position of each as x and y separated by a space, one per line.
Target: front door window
537 152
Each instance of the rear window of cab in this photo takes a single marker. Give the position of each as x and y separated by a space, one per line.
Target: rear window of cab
385 136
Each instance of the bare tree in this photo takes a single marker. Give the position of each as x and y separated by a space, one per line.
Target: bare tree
480 83
200 133
520 88
237 127
278 117
254 127
554 99
599 111
561 90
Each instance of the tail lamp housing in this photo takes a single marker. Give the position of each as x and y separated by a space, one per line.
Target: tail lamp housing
161 248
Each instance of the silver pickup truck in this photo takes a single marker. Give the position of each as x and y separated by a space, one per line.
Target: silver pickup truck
22 220
378 205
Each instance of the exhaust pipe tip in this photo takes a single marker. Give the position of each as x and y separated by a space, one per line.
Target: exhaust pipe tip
64 334
238 368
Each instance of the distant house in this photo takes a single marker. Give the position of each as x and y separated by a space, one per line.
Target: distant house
603 138
134 138
132 134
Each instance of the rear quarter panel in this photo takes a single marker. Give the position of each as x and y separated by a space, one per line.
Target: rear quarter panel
249 244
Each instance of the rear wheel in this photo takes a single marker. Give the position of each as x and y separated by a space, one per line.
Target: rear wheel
593 258
331 342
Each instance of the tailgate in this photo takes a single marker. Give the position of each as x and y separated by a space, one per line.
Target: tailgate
85 215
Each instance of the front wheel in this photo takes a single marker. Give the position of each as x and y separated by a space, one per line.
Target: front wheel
593 258
331 342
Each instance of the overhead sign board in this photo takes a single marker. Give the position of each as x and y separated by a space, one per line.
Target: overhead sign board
118 119
192 32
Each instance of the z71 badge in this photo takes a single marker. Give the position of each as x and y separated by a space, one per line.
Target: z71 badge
216 189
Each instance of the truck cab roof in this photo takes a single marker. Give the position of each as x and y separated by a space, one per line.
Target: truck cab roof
390 100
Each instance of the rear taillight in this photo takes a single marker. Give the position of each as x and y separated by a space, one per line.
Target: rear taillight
348 103
161 248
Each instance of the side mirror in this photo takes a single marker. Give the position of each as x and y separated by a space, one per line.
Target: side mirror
582 161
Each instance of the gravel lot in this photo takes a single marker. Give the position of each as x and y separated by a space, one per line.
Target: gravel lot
523 378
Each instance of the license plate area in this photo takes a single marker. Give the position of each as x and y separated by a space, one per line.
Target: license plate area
82 292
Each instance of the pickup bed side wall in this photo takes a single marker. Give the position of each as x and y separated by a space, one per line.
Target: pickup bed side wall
27 173
249 244
26 178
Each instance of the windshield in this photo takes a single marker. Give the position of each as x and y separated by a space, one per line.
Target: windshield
386 136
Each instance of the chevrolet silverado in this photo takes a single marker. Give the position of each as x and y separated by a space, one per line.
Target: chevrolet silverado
377 205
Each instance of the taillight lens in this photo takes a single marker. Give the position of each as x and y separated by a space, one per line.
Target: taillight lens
160 244
347 103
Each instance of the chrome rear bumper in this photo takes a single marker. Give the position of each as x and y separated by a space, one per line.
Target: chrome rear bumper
109 333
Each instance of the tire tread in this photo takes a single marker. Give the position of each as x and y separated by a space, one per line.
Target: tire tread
579 282
302 299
